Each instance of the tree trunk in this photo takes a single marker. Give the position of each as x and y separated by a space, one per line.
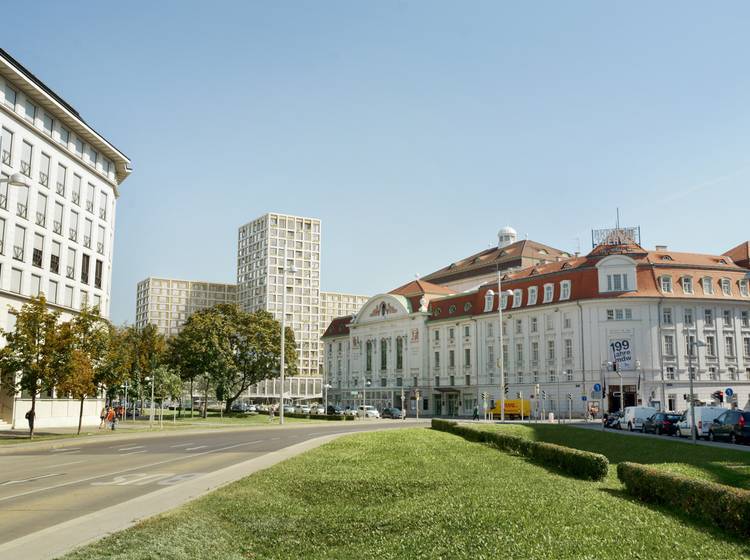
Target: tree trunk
32 420
192 400
80 416
228 406
205 400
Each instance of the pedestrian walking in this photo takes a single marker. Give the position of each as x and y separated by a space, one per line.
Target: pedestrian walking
102 417
476 413
270 414
30 417
111 418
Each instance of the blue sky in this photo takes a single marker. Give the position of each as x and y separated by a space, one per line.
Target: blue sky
414 130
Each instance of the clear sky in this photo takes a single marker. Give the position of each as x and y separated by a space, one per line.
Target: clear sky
413 130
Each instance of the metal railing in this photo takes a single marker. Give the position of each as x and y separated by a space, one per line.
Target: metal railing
60 189
57 227
87 241
17 253
26 168
21 209
44 179
40 219
73 234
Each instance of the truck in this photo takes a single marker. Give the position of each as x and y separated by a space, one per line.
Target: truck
513 408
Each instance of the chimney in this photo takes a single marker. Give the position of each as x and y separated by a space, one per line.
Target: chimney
577 254
661 247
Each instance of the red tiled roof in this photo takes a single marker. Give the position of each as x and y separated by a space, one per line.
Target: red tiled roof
419 287
338 327
740 254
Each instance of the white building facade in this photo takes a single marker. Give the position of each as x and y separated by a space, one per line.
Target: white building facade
57 231
564 325
167 303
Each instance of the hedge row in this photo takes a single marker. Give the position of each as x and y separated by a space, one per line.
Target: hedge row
723 506
581 464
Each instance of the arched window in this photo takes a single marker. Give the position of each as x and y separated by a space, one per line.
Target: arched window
517 297
399 353
489 299
368 353
383 354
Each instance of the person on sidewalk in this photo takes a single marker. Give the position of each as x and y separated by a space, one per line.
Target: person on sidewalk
476 413
111 418
30 417
103 417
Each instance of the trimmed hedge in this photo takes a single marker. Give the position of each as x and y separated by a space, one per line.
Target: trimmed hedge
723 506
581 464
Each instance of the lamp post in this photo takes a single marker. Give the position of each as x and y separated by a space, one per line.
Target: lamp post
15 180
692 344
326 387
151 379
288 269
364 398
604 385
501 354
125 387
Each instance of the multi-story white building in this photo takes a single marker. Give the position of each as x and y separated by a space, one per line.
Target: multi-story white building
57 229
335 304
264 246
167 303
564 324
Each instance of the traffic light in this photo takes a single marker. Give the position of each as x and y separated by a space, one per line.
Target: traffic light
544 395
570 396
505 388
518 395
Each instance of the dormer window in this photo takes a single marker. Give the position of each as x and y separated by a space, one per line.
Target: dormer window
517 297
549 292
504 301
617 282
708 287
489 299
666 284
532 295
744 291
565 289
726 286
687 284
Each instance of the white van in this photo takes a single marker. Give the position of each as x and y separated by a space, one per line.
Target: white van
634 417
704 416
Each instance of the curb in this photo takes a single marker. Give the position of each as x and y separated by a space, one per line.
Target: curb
60 539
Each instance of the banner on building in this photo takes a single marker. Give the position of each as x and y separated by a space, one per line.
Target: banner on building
621 353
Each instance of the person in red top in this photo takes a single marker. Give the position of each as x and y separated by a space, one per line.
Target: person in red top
111 418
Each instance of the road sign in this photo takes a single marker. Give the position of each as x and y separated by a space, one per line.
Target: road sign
597 387
584 398
729 391
596 395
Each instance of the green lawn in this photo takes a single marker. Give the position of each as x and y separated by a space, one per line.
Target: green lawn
724 466
415 493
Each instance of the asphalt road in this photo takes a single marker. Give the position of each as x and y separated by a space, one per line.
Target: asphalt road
43 488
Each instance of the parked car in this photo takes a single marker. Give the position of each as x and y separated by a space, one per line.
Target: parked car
350 411
289 409
239 407
335 410
704 416
732 425
392 412
661 423
302 409
318 409
252 408
612 421
633 417
368 411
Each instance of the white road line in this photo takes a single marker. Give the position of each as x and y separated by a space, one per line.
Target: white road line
131 453
61 465
173 459
194 448
182 444
9 482
275 438
130 448
65 449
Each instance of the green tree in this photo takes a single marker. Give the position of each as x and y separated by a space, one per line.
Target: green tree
145 352
34 351
78 380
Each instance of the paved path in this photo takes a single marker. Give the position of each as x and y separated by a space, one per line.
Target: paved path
49 488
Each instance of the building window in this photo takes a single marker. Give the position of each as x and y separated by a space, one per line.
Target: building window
552 377
549 291
669 345
729 346
744 290
726 286
666 284
48 123
437 336
489 299
666 316
610 314
565 289
712 374
466 331
6 146
19 243
517 297
688 317
491 357
16 277
36 285
399 348
534 353
437 382
533 324
451 359
670 373
708 287
490 330
733 374
617 282
383 354
708 317
30 111
746 346
368 358
710 346
550 350
383 382
54 259
532 295
568 375
36 257
568 348
44 164
687 285
69 296
690 345
567 324
727 315
52 295
27 151
10 97
437 360
519 353
467 357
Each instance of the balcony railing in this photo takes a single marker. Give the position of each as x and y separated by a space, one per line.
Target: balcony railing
90 205
40 219
100 248
3 201
44 179
70 272
18 253
57 227
21 209
26 168
87 241
76 198
6 157
73 234
60 189
103 213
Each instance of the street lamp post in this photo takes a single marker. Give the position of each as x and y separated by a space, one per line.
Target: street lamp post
288 269
692 344
152 380
125 387
501 354
326 387
364 398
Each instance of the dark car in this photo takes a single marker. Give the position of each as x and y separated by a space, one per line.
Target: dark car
661 423
612 421
394 413
334 410
732 425
240 407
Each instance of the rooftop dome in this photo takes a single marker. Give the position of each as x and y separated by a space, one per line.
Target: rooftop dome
506 236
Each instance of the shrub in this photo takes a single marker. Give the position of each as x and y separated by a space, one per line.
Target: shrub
723 506
581 464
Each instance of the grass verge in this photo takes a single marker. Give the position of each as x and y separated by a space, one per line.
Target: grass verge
414 494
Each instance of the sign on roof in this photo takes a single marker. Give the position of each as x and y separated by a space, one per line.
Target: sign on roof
616 236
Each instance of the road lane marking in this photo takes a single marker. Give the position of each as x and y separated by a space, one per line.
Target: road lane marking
194 448
131 453
130 448
65 449
33 478
275 438
71 482
182 444
60 465
142 479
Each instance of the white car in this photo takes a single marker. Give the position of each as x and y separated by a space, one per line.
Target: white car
634 417
704 416
368 411
350 412
318 409
302 409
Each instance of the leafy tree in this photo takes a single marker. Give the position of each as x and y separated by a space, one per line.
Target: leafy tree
35 349
78 380
145 352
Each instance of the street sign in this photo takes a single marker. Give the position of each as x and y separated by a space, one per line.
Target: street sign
597 387
596 395
729 391
584 398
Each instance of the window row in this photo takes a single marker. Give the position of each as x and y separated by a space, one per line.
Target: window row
532 295
55 293
667 317
707 284
710 346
